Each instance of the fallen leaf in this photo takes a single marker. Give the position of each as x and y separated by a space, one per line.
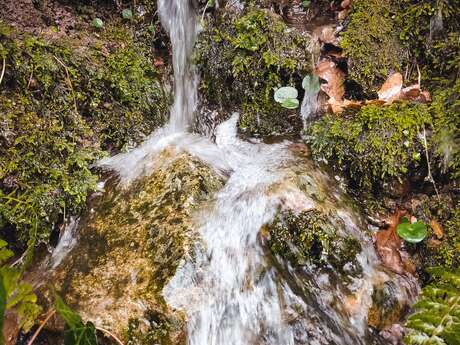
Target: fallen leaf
392 87
388 244
339 106
334 77
437 228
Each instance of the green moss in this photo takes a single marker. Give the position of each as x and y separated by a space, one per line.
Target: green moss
429 31
371 43
61 101
373 146
242 59
310 238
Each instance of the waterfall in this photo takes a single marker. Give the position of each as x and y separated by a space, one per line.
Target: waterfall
179 19
229 288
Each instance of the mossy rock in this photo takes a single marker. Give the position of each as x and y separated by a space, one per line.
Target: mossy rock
243 58
130 245
309 238
373 146
371 43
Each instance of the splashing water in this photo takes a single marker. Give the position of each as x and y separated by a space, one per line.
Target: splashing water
231 291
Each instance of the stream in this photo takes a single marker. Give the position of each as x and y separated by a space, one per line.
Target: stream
232 291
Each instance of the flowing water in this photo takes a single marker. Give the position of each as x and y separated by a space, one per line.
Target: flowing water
233 292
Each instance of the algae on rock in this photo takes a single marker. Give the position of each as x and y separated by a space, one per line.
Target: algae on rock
131 243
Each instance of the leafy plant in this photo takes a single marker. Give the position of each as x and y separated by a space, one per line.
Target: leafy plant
306 3
287 97
98 23
127 14
411 232
76 332
436 320
14 294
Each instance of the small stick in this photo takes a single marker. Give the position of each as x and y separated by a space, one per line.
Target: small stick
3 70
111 334
50 314
69 81
430 176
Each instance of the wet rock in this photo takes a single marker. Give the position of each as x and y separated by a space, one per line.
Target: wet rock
386 308
130 245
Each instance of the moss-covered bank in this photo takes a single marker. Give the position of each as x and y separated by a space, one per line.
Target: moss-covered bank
63 103
243 58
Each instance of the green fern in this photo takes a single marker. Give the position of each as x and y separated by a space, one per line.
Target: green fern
436 320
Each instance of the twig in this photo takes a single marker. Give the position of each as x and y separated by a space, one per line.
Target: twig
430 176
49 315
3 70
419 77
111 334
69 81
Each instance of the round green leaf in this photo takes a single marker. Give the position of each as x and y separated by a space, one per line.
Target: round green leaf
98 23
127 13
285 92
290 103
311 83
412 232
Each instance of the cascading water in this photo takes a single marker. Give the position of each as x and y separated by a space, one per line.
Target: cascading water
229 289
178 18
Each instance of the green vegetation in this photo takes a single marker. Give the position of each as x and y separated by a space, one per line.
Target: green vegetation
373 146
15 295
437 317
63 102
310 238
76 332
411 232
371 43
243 59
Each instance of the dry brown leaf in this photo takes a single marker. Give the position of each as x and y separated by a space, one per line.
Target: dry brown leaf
388 244
392 87
339 106
334 76
437 228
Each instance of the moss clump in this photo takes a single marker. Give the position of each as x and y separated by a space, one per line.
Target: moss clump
373 146
61 102
310 238
242 59
371 43
430 32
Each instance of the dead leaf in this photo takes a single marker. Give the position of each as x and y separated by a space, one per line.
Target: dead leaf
392 87
437 228
334 76
388 244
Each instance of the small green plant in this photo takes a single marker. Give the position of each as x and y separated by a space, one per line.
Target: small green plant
14 294
436 320
127 14
411 232
98 23
76 332
287 97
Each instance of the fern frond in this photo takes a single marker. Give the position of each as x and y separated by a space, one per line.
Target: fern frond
436 320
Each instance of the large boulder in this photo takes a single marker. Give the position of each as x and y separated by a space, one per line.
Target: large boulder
129 246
